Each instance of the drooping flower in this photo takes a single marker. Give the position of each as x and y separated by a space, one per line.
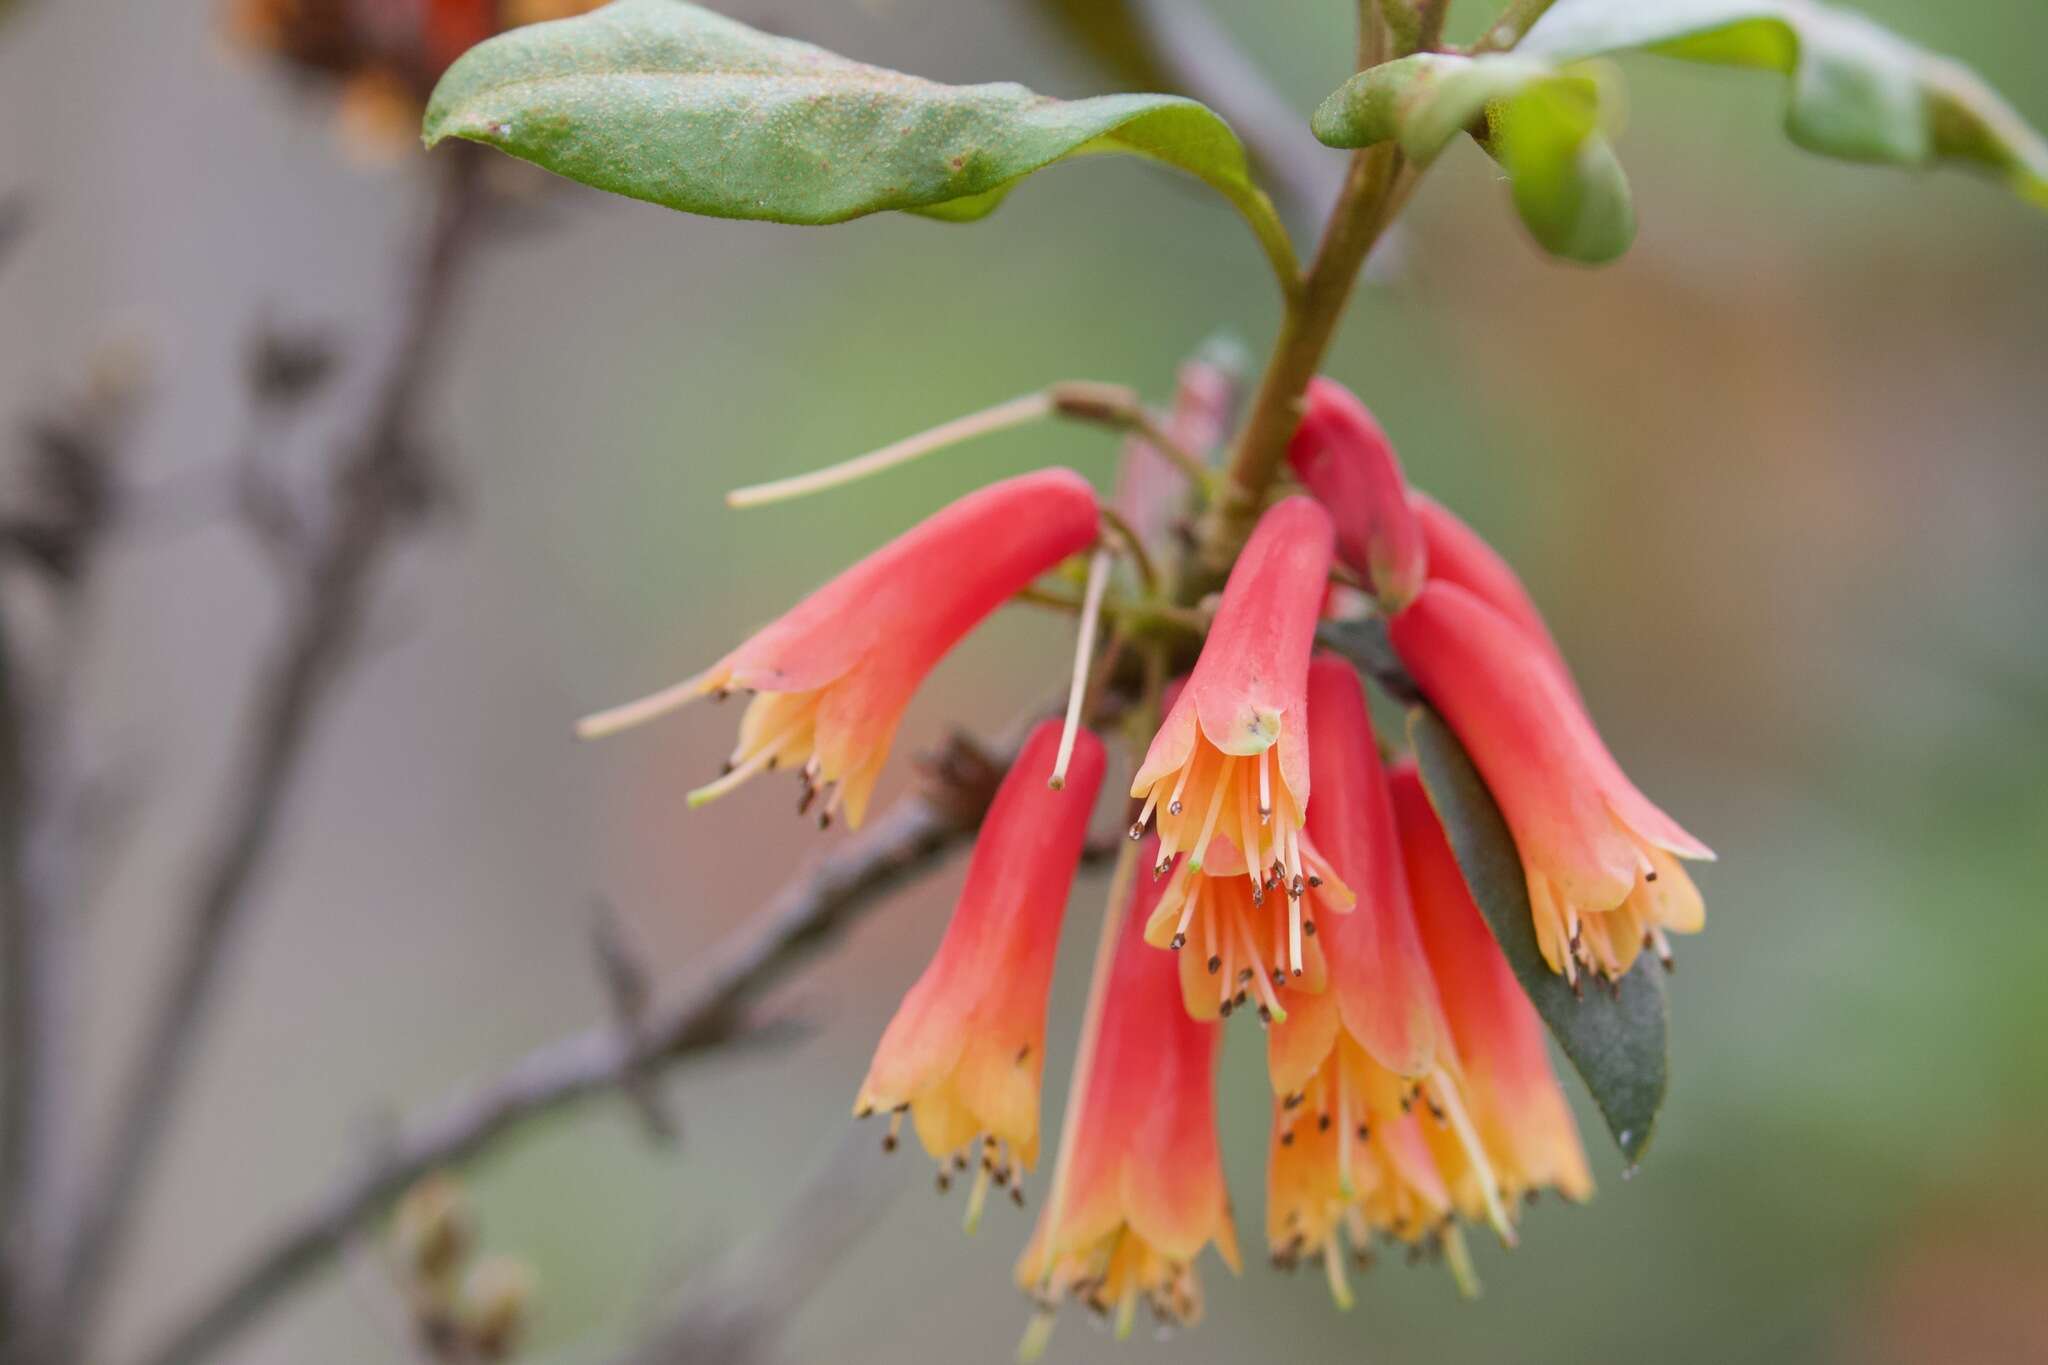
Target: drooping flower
1228 772
1351 1149
1601 861
1141 1190
1458 554
1513 1096
833 675
966 1051
1342 455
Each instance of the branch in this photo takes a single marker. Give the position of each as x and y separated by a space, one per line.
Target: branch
735 1307
1513 25
376 496
907 841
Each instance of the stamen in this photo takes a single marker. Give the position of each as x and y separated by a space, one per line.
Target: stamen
1265 789
763 757
890 1138
1084 650
1144 816
1333 1267
1201 844
1344 1182
1447 1099
1264 978
1001 417
1294 935
598 724
1458 1258
1187 915
1037 1333
977 1198
1179 786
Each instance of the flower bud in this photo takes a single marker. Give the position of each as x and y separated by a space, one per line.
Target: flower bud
1343 457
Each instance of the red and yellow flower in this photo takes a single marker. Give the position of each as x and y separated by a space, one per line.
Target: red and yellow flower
831 677
1352 1155
966 1051
1342 455
1227 776
1601 861
1141 1192
1510 1089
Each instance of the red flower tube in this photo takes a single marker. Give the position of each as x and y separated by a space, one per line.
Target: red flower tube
1520 1112
1143 1188
966 1051
1601 861
1341 454
1209 776
833 675
1458 554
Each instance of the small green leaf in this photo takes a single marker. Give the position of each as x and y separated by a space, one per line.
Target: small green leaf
1541 121
663 101
1615 1039
1858 90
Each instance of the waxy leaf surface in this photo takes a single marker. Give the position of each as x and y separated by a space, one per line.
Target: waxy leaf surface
664 101
1858 90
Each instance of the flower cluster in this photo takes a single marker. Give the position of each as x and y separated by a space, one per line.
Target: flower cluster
382 56
1411 1090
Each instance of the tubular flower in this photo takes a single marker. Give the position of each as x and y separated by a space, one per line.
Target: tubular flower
1142 1191
1230 765
1601 861
833 675
1341 454
966 1050
1458 554
1348 1066
1520 1113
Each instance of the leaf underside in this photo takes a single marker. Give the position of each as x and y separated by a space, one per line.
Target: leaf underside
1614 1039
1858 90
663 101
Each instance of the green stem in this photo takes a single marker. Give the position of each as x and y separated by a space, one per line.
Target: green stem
1513 25
1310 322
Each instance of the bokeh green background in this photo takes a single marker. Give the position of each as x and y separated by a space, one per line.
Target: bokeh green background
1778 477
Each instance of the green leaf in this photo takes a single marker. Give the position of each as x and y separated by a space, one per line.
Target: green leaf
1541 121
1858 90
663 101
1615 1039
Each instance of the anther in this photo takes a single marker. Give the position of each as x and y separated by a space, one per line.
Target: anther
1179 942
1322 1123
1173 806
1137 833
1215 964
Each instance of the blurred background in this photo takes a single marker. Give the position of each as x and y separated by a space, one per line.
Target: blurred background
1777 477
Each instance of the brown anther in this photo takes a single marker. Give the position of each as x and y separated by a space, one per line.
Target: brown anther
1314 880
1137 833
1651 875
888 1142
1308 928
1215 964
1023 1054
945 1182
1364 1133
1287 1138
1322 1123
1173 807
1265 1015
1017 1195
1226 1007
1294 888
726 767
1179 942
1244 974
1293 1101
